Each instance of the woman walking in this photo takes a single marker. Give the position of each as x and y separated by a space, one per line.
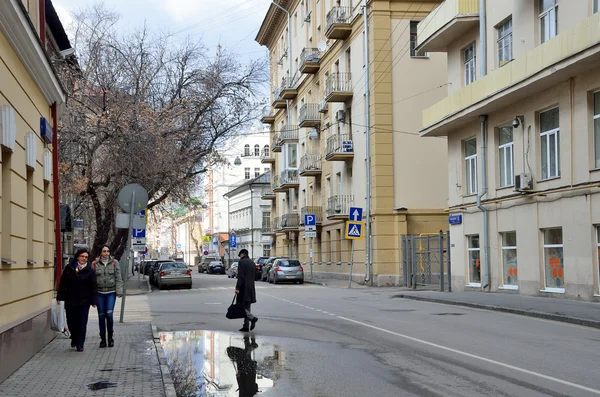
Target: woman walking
78 290
110 286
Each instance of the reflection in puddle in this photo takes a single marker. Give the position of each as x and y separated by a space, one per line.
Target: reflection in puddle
205 363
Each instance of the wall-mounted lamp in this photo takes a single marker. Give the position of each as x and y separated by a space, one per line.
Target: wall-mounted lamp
237 161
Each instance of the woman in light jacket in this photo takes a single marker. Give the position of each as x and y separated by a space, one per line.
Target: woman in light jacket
110 286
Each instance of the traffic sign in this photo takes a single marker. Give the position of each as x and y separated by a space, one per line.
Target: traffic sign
179 246
138 247
310 233
354 230
205 252
233 241
310 220
356 214
138 233
206 239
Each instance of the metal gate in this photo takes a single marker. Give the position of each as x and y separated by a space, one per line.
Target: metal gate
426 260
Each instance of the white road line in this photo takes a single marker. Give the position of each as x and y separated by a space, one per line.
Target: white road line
473 356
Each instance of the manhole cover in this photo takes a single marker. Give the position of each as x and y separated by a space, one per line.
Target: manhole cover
448 314
101 384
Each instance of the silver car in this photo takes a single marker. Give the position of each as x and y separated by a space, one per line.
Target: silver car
232 271
286 270
174 273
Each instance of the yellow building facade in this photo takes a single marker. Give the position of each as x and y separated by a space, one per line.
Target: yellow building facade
318 114
30 96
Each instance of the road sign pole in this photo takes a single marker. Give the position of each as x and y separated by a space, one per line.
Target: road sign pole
351 264
311 258
127 251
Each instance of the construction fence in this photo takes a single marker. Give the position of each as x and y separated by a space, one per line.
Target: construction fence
426 261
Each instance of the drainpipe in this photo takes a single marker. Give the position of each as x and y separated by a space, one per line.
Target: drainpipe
482 39
483 192
58 261
369 251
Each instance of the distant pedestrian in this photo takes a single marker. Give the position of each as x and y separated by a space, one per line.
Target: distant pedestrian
110 287
246 274
79 291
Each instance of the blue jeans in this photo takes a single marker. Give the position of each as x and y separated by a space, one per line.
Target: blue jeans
106 305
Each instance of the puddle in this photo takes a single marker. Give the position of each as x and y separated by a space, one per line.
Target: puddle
205 363
120 369
101 384
448 314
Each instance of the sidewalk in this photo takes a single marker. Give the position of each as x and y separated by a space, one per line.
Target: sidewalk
565 310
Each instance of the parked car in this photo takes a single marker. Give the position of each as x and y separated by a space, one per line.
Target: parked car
232 272
147 265
286 270
154 270
203 266
267 266
215 267
174 273
260 261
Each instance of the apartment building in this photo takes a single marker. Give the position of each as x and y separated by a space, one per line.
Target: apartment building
522 119
318 115
31 99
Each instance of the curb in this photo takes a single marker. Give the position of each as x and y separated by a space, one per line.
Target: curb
164 368
528 313
314 282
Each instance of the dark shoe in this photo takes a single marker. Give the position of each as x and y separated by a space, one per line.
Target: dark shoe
111 342
80 350
73 344
253 323
103 343
244 329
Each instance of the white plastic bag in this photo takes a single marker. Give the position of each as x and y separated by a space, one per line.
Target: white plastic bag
58 322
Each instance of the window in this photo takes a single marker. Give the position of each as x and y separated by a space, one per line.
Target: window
247 173
509 260
596 6
267 250
597 127
550 154
474 259
548 19
292 156
246 150
266 151
469 59
257 150
471 165
267 169
505 43
413 41
266 219
553 260
256 172
505 156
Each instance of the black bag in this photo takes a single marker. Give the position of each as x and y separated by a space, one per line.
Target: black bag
236 310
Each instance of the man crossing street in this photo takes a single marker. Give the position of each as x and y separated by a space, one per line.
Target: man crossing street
244 288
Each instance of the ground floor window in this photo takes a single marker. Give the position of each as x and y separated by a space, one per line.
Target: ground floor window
266 250
509 259
553 260
598 250
474 259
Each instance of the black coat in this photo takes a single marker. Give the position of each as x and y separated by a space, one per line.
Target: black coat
78 288
245 280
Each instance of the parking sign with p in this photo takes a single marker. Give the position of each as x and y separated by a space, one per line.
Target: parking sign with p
310 220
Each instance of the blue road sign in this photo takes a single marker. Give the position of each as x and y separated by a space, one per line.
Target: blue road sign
356 214
138 233
310 220
354 230
232 241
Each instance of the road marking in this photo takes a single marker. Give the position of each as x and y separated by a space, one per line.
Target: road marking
473 356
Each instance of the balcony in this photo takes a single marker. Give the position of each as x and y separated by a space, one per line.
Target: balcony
289 90
310 59
290 221
339 23
323 106
268 116
276 184
339 147
288 133
311 165
447 23
338 207
268 229
277 224
315 210
309 116
289 179
278 102
267 193
338 87
275 145
266 156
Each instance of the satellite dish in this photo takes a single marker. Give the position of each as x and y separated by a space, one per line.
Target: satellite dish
322 45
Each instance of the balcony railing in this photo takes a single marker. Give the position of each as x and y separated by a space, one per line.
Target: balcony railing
267 227
311 165
275 144
339 147
323 106
289 178
288 133
277 224
278 101
268 116
338 87
309 60
339 206
316 210
266 156
267 193
309 115
276 184
339 23
289 89
290 221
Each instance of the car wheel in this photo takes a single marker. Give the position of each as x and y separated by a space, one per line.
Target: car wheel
301 282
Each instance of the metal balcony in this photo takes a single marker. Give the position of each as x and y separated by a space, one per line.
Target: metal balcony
276 184
275 145
339 147
338 87
309 115
323 106
278 102
290 221
289 179
289 90
311 165
316 210
310 59
267 228
266 156
288 133
277 224
268 116
267 193
339 23
338 207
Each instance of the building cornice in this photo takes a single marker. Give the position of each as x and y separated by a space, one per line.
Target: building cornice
22 37
274 22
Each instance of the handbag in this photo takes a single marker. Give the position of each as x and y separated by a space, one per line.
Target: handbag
236 310
57 320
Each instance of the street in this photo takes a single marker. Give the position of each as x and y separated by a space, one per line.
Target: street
362 341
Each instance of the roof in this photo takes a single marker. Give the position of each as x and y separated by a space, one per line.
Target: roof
275 17
263 179
56 27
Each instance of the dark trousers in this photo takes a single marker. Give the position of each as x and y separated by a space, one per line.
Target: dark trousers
106 306
77 319
249 315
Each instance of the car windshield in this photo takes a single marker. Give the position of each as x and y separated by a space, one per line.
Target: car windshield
174 265
215 263
262 260
288 263
234 264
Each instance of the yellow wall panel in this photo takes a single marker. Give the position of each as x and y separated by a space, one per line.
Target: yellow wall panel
19 310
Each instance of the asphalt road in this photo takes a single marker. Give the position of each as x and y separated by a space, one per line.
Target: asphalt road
358 342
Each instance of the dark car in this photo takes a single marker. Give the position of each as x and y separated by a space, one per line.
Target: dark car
147 265
260 261
267 266
215 267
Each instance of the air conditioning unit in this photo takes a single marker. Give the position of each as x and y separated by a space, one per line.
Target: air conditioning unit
523 182
307 16
340 116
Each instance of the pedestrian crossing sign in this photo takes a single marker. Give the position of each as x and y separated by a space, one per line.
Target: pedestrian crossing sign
354 230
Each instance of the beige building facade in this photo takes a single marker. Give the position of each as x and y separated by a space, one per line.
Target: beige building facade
319 119
31 96
525 124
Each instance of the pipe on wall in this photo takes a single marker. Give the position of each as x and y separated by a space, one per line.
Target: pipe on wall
482 193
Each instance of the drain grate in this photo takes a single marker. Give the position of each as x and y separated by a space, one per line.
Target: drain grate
101 384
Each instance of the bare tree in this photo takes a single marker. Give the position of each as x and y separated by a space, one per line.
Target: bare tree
146 109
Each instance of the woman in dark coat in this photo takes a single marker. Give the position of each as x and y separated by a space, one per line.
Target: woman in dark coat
78 290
